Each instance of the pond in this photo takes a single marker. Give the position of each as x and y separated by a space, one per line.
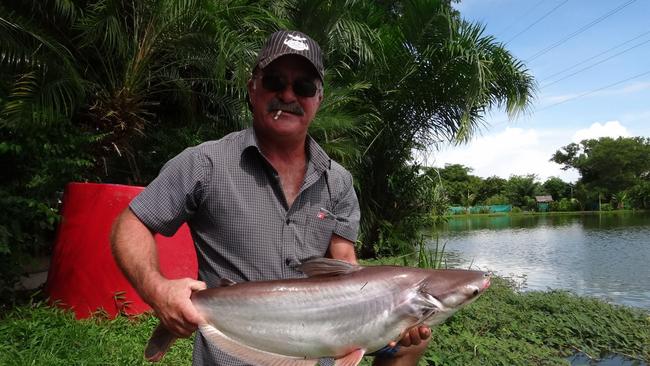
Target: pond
602 255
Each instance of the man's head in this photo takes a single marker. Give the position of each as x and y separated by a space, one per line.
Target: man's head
285 42
286 86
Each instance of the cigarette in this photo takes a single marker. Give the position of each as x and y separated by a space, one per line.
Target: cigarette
277 115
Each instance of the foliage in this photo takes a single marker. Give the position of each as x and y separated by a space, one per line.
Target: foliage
114 88
557 188
505 327
565 205
472 72
30 188
497 199
490 188
608 166
108 91
521 189
640 195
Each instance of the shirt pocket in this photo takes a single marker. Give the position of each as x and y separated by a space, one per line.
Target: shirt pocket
319 228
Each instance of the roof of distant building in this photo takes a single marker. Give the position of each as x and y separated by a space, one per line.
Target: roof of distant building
542 199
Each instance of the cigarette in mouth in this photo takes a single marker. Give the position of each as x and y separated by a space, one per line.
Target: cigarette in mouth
277 115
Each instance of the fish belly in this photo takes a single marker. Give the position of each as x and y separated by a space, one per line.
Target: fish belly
313 322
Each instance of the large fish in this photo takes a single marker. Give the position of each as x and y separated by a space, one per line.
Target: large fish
341 310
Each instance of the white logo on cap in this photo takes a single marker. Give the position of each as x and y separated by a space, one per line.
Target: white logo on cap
296 42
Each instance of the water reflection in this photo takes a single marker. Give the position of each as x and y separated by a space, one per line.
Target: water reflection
605 256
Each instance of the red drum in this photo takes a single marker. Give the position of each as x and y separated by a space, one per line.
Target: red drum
83 275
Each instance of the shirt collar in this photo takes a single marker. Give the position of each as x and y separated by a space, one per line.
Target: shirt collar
316 154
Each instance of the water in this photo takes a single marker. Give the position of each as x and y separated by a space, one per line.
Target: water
606 256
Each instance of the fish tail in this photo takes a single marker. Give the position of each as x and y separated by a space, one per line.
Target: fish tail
159 343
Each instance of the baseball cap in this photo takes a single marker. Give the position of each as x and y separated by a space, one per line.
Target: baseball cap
285 42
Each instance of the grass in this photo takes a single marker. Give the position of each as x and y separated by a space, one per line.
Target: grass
504 327
36 334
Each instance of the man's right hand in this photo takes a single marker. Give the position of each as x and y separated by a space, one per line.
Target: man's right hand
171 302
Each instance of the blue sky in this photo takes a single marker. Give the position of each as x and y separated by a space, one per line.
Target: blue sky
609 39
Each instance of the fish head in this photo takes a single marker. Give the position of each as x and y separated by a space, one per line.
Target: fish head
447 291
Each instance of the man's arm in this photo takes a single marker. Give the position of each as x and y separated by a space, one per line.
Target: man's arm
134 250
342 249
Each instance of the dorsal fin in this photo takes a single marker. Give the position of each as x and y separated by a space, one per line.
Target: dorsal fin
327 267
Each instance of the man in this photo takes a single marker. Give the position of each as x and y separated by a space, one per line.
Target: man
257 201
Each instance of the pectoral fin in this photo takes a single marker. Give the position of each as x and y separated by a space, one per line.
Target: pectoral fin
159 343
249 354
351 359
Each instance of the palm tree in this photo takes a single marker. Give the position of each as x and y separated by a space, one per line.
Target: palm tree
118 68
430 76
107 90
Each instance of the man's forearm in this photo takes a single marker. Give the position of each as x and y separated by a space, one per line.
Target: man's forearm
134 250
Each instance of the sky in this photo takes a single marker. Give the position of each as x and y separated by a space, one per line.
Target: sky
591 62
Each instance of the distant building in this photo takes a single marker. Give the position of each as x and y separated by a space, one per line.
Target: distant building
543 203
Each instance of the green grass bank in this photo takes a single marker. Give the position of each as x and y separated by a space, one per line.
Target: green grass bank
548 213
503 327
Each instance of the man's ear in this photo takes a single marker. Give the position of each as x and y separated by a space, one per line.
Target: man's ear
251 86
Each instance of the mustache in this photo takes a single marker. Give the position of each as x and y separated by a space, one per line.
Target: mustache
277 105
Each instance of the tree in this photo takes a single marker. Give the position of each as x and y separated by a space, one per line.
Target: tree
608 166
491 187
557 188
420 84
129 84
119 69
460 185
106 91
520 189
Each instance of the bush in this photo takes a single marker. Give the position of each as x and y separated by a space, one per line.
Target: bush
565 205
36 165
497 199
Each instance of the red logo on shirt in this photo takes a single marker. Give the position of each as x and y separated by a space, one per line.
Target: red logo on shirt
321 215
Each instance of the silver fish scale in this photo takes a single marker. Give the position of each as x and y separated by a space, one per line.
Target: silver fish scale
322 319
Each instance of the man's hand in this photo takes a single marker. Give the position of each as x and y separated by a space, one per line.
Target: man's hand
413 336
172 304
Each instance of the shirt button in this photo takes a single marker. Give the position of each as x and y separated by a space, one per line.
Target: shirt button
288 221
287 261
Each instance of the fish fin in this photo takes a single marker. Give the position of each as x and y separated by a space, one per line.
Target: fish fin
351 359
327 267
249 354
159 343
225 282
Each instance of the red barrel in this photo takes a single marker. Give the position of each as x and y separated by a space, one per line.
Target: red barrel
83 275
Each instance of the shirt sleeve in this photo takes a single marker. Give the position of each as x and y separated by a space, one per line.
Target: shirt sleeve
174 196
346 208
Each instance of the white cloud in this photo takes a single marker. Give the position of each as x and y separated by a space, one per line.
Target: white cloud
513 151
521 151
608 129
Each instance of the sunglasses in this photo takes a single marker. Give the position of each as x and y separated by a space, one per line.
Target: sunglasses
301 87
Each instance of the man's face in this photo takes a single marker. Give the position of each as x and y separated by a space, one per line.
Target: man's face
284 85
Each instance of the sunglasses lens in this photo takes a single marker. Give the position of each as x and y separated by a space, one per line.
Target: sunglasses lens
302 87
273 83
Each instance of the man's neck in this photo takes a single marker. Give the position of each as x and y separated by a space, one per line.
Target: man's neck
289 150
289 159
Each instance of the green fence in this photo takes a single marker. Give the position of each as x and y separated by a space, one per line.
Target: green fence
455 210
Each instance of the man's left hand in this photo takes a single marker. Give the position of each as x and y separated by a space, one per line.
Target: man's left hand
414 336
